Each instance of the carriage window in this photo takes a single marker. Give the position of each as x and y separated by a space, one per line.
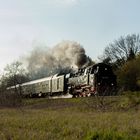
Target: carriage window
58 83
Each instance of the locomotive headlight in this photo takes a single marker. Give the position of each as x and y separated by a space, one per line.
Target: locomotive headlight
99 84
112 84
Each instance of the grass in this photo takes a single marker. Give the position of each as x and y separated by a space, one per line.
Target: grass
71 119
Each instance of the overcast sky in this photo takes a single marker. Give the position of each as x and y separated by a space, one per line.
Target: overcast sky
92 23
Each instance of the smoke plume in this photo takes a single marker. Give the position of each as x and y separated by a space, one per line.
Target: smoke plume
61 58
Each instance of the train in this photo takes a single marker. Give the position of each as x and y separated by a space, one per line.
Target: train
97 79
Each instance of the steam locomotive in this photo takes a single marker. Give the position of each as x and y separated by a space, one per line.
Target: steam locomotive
96 79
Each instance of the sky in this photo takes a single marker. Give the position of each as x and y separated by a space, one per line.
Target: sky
92 23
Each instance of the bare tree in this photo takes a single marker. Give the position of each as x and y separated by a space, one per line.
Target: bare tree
14 74
122 50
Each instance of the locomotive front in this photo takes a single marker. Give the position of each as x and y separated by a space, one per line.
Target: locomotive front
105 79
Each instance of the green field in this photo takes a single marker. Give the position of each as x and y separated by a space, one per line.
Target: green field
72 119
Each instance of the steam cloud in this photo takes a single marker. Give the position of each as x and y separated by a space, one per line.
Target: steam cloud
46 61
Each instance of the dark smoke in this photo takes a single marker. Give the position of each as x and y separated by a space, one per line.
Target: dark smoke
59 59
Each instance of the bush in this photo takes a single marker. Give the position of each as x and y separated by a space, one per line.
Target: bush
129 75
8 99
